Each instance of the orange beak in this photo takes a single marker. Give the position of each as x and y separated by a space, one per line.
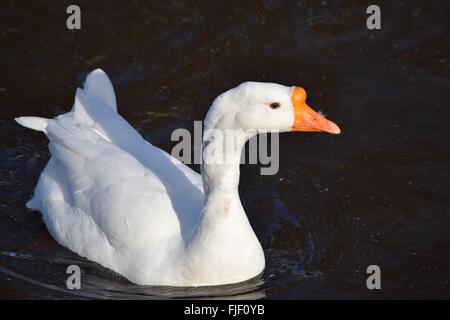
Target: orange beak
306 119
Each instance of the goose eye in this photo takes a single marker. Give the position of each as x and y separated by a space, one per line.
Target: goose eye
275 105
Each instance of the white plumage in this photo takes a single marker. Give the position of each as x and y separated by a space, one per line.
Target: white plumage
114 198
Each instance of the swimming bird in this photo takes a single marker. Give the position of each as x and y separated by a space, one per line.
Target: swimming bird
113 198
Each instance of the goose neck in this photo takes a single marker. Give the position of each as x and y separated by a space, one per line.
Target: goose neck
221 155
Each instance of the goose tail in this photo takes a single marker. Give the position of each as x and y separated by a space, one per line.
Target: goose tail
35 123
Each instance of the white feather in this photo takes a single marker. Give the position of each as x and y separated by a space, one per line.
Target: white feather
114 198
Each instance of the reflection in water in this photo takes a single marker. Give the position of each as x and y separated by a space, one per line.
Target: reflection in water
377 194
96 287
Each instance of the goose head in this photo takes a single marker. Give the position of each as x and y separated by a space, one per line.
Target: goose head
265 107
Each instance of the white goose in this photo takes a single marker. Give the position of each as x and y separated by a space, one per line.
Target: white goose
113 198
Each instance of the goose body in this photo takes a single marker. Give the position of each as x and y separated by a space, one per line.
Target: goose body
113 198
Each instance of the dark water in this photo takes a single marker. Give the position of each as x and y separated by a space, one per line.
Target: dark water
377 194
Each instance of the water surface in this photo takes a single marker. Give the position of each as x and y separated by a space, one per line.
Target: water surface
377 194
